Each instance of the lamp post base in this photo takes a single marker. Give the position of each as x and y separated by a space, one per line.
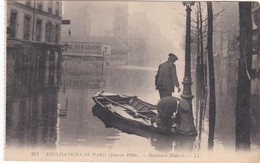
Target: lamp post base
187 125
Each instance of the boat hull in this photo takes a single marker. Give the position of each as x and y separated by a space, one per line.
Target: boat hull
128 112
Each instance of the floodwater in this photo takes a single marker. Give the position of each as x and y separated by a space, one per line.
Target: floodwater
59 114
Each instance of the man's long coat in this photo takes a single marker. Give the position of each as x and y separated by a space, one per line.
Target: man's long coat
166 77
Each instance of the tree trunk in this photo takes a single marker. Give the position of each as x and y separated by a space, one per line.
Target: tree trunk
198 63
244 84
201 50
212 99
200 75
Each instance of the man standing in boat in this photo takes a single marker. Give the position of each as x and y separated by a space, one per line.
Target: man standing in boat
166 78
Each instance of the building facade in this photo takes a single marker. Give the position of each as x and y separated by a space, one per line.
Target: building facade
33 36
226 56
255 84
37 21
103 22
33 57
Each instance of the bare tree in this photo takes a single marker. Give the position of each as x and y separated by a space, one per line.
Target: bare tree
244 81
199 67
212 98
199 32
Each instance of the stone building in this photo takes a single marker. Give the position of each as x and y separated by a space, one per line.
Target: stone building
33 36
104 22
33 57
226 56
255 83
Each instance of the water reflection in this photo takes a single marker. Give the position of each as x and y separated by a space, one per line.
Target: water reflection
82 72
82 77
52 107
200 118
158 141
176 144
32 96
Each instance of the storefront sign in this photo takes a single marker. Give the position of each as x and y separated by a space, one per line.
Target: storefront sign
84 47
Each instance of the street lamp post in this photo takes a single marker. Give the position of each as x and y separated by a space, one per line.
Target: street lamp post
187 125
187 82
103 62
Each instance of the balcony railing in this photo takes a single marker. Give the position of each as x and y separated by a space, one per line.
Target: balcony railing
56 39
49 38
28 3
38 38
26 36
11 32
57 12
40 6
50 10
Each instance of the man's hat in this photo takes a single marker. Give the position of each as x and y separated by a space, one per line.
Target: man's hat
173 56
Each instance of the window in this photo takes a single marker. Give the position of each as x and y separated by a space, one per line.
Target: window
48 32
13 20
26 27
39 5
57 34
50 6
38 30
57 8
57 12
28 3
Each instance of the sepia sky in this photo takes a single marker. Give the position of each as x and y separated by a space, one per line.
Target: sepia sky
170 16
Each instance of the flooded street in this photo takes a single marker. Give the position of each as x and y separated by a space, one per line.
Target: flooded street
65 61
60 114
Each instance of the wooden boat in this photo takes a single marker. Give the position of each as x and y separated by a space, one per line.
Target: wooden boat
115 110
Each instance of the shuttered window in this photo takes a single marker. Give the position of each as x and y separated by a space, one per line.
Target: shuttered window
39 5
50 6
57 8
27 27
38 30
13 23
28 3
48 32
57 34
